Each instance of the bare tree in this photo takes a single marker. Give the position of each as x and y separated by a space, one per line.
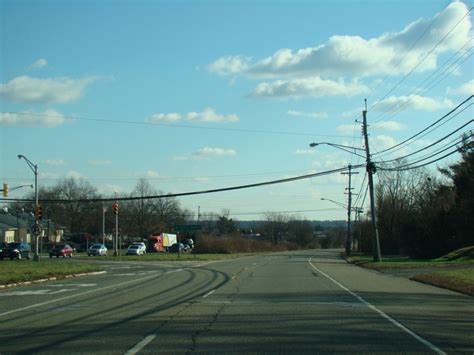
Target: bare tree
147 216
275 226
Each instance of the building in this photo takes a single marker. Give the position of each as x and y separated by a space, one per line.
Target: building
15 226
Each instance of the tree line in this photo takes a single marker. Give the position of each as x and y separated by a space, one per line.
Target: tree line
421 215
140 218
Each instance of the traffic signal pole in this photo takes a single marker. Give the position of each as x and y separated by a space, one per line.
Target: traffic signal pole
116 211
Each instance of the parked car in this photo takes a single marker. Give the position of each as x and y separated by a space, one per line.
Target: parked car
16 250
177 248
136 249
97 249
61 250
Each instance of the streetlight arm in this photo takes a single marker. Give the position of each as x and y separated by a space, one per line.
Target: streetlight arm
32 166
337 203
345 148
336 145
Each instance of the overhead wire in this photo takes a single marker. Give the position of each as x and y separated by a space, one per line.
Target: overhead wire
426 128
134 198
144 123
411 166
433 20
423 59
428 86
432 144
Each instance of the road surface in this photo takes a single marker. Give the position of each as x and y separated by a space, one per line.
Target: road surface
298 302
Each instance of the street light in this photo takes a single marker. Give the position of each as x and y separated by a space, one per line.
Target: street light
34 168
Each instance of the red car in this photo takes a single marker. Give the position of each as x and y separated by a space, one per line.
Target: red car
61 250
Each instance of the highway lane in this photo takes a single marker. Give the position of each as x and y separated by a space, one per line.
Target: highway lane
306 301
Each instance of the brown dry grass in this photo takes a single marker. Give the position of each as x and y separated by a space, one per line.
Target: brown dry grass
236 244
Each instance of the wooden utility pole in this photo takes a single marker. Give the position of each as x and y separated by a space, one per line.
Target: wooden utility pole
349 207
370 171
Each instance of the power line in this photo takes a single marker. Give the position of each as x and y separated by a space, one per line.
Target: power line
239 130
411 165
266 183
432 144
424 58
408 167
433 20
431 130
175 178
427 128
430 85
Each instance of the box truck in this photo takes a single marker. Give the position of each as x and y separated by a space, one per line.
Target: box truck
161 242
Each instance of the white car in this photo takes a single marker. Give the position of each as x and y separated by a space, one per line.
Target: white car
136 249
97 249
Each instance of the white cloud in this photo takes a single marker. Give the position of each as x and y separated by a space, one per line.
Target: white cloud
414 102
316 115
202 179
49 118
229 65
99 162
54 162
164 117
208 152
381 142
40 63
74 174
389 126
466 89
36 90
305 151
109 189
344 55
209 115
347 128
313 86
152 174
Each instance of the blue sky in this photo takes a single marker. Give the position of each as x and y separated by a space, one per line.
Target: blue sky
197 95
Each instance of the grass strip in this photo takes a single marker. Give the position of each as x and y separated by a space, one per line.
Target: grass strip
405 262
461 280
14 271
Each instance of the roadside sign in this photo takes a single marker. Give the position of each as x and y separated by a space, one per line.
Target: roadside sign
187 227
36 229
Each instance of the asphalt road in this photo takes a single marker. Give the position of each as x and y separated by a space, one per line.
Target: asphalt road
305 301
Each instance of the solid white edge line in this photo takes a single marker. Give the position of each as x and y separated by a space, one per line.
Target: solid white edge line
140 345
381 313
208 294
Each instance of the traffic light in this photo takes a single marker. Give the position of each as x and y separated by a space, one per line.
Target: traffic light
5 190
116 208
39 212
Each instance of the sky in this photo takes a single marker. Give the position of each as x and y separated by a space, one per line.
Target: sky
199 95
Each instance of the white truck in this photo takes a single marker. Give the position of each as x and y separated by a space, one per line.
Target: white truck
161 242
